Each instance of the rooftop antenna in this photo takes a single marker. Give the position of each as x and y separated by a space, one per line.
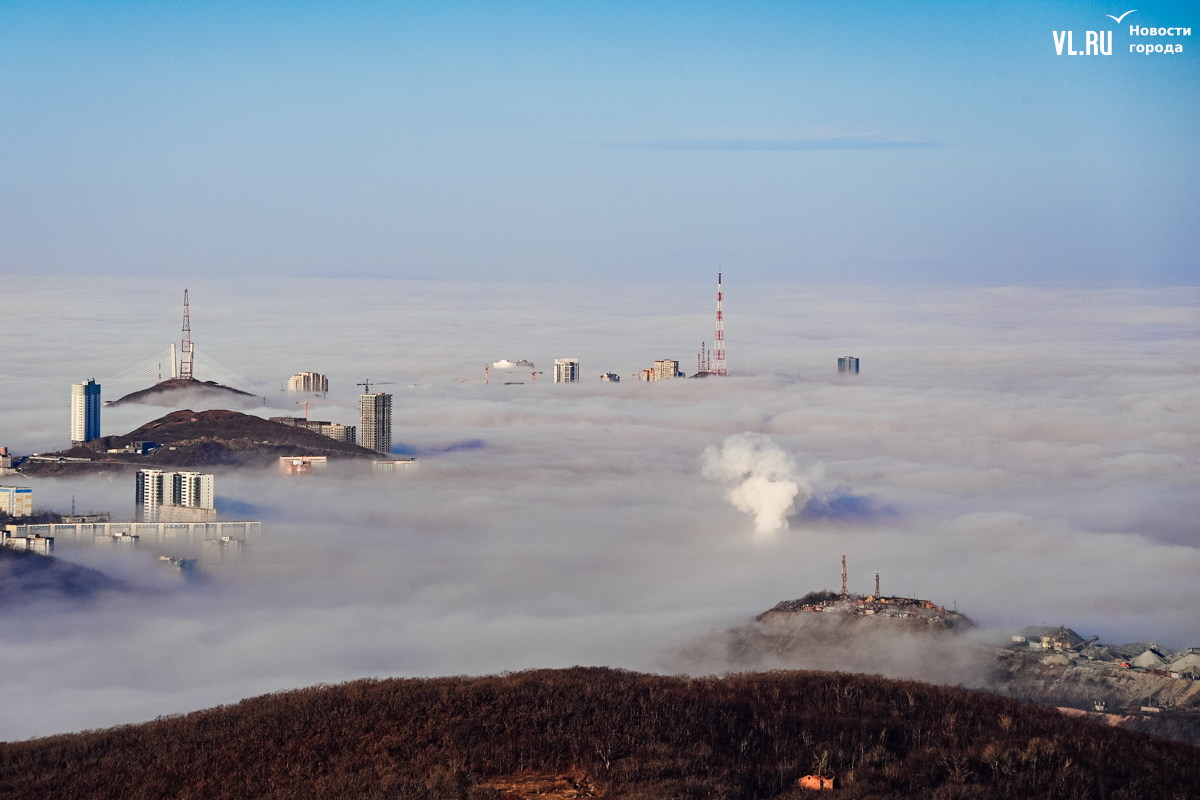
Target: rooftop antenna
844 592
185 355
72 505
876 584
718 367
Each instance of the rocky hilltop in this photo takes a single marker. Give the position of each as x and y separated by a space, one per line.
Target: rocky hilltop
196 439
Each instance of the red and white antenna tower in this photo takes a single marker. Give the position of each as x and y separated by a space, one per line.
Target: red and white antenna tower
718 367
185 354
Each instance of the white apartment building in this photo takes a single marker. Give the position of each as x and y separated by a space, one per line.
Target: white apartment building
157 489
566 370
85 411
312 382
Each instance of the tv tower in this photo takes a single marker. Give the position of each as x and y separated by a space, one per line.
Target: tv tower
185 355
718 367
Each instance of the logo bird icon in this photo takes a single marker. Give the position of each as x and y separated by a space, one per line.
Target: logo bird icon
1123 16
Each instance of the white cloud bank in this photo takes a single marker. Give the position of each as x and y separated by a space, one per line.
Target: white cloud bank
1038 452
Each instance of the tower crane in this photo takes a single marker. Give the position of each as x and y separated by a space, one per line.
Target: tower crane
305 404
368 383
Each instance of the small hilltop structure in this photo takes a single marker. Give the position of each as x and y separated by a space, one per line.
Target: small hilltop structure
914 610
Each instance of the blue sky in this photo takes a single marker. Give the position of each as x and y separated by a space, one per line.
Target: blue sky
787 142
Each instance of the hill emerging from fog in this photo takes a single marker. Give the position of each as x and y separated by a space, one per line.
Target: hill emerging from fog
909 638
176 392
199 439
894 636
28 579
592 732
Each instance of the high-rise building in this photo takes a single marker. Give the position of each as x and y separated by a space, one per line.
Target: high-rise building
85 411
666 368
149 494
16 501
157 490
313 382
610 377
566 370
192 489
375 421
848 364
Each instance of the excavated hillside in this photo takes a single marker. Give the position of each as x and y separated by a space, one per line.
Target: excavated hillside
199 439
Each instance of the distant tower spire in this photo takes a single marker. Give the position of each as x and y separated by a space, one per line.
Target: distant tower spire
718 367
844 592
876 584
185 354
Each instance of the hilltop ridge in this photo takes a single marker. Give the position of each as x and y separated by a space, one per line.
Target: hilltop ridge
596 732
187 438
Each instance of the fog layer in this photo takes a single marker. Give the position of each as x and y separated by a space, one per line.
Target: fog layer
1030 456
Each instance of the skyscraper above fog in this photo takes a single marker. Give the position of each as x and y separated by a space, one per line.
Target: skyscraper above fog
566 370
375 421
665 369
157 490
848 364
85 411
313 382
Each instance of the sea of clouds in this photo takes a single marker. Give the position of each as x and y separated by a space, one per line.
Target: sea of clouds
1030 455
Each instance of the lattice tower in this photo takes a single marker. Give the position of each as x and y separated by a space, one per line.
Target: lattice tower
718 367
185 354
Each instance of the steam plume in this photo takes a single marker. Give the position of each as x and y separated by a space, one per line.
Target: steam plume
763 479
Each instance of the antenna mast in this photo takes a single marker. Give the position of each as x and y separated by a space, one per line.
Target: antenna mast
876 584
185 355
844 592
719 364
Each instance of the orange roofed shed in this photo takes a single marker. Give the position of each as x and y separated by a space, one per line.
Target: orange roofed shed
815 782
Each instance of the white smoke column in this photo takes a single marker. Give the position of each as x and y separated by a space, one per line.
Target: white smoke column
762 477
